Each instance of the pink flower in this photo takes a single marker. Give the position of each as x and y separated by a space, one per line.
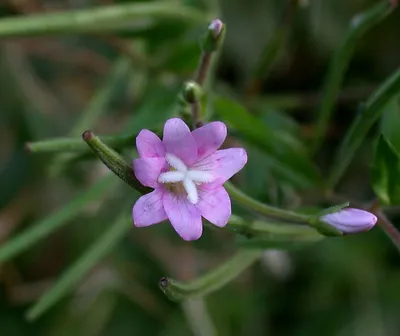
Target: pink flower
351 220
187 172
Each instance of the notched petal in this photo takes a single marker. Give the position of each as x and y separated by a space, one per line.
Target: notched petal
149 209
184 216
209 138
179 141
149 145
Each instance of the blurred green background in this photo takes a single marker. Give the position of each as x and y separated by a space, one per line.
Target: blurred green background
123 81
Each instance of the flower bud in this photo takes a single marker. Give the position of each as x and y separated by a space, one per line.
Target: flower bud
215 27
214 36
350 220
191 92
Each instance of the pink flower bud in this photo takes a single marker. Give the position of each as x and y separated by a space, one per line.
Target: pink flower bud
216 27
350 220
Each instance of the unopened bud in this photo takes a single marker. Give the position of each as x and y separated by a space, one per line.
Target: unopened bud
350 220
191 92
215 27
214 37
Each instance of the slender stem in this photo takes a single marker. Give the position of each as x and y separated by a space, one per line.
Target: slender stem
212 280
211 47
98 19
386 225
266 210
340 62
114 162
250 227
203 68
58 145
362 124
196 115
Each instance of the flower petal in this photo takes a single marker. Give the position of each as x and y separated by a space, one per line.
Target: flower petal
147 170
149 209
223 164
149 145
179 141
215 205
209 138
184 216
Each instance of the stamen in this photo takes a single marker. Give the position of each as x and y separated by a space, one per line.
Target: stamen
200 176
191 190
176 163
171 177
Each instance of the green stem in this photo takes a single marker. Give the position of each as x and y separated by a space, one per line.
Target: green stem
114 162
212 280
99 19
340 62
203 68
370 113
266 210
267 227
58 145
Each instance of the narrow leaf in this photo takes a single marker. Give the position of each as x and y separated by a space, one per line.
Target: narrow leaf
45 227
386 173
360 25
70 278
285 153
362 124
97 19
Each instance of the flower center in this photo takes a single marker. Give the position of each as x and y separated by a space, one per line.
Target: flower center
182 180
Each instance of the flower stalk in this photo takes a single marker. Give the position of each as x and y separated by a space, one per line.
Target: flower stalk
211 43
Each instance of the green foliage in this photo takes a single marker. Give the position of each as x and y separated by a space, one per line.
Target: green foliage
386 172
94 254
45 227
285 153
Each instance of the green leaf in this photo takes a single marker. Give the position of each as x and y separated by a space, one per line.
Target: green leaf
94 254
366 118
386 172
45 227
157 105
390 122
286 155
105 18
76 145
360 24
